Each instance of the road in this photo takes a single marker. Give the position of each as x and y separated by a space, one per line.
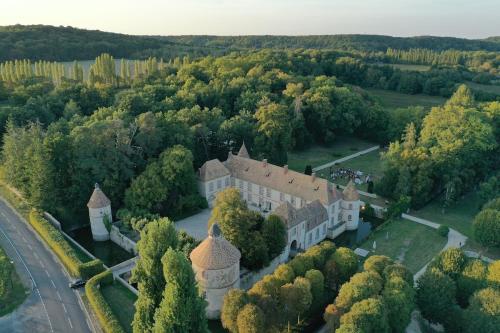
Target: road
52 306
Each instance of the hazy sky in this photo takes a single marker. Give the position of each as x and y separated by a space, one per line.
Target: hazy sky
463 18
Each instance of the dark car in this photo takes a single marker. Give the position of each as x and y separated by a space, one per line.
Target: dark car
77 284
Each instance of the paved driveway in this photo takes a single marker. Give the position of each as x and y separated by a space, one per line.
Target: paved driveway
196 225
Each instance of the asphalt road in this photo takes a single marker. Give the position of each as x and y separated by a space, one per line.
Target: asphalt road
51 306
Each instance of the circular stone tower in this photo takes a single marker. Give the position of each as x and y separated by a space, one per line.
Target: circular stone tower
216 263
350 206
99 211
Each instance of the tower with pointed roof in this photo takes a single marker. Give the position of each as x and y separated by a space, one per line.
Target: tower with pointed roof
216 263
99 212
350 206
243 151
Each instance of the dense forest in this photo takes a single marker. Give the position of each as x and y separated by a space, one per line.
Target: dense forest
39 42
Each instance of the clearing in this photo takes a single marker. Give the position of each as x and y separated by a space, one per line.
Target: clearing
410 243
121 300
393 100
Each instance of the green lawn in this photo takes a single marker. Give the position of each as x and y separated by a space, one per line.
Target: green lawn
484 87
410 243
17 293
121 300
409 67
318 155
392 99
458 216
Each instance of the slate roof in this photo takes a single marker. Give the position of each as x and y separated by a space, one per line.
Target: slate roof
215 252
243 151
212 169
98 199
314 213
350 193
303 186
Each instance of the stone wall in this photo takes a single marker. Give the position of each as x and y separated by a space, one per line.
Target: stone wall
123 241
249 278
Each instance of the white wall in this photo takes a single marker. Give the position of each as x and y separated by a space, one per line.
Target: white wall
99 231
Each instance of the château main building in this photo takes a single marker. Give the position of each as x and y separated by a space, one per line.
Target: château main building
311 207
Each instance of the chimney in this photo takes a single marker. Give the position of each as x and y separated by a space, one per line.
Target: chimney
313 175
264 162
285 169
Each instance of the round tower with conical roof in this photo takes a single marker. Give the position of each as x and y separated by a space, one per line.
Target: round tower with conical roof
216 263
350 206
100 214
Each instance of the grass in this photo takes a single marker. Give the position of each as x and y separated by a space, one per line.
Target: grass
17 293
484 87
392 99
409 67
410 243
318 155
121 300
458 216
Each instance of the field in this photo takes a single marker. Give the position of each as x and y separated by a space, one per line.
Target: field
458 216
408 67
121 300
392 99
318 155
17 294
484 87
410 243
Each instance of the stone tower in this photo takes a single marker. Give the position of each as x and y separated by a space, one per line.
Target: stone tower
350 206
216 264
99 209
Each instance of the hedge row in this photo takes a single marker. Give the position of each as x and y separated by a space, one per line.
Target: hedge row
107 319
56 241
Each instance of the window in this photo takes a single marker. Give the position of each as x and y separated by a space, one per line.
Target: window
268 192
349 217
324 229
317 234
211 186
227 181
340 217
282 196
219 183
350 206
310 238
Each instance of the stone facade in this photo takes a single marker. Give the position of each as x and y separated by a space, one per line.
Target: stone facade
99 209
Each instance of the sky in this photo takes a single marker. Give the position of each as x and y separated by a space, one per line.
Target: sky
459 18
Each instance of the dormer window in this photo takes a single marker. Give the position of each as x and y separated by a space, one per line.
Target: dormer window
291 181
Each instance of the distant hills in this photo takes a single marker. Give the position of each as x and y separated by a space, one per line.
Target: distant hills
68 43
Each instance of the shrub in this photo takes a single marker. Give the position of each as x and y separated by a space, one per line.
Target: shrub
56 242
107 319
443 230
91 268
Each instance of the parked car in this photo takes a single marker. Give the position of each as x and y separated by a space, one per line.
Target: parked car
77 284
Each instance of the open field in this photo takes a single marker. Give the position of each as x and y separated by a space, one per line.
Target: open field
318 155
392 99
17 293
121 300
484 87
410 243
458 216
409 67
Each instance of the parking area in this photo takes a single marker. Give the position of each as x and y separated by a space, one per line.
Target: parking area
196 225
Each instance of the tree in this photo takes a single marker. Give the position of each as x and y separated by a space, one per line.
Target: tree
399 298
471 279
234 301
360 286
251 319
451 261
331 274
332 317
274 233
486 227
156 237
296 298
435 295
301 264
284 273
181 309
398 270
483 313
377 263
368 315
308 170
462 97
494 274
347 263
317 282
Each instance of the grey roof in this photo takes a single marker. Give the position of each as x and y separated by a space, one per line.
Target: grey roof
280 179
350 193
212 169
243 151
314 213
215 252
98 199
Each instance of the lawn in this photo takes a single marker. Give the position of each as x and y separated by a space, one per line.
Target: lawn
458 216
409 67
392 99
121 300
484 87
318 155
17 293
410 243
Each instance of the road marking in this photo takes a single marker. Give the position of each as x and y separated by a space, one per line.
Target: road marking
70 324
46 272
29 247
36 256
53 284
58 295
24 239
64 308
41 263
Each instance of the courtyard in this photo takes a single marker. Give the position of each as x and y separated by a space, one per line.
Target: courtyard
196 225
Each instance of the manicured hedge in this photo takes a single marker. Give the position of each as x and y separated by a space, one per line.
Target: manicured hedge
56 242
107 319
91 268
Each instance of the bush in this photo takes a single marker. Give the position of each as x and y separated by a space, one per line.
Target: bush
91 268
107 319
443 230
56 242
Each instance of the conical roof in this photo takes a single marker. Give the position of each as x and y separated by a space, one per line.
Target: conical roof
243 151
350 193
215 252
98 199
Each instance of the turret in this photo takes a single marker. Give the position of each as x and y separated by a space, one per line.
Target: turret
100 214
350 206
